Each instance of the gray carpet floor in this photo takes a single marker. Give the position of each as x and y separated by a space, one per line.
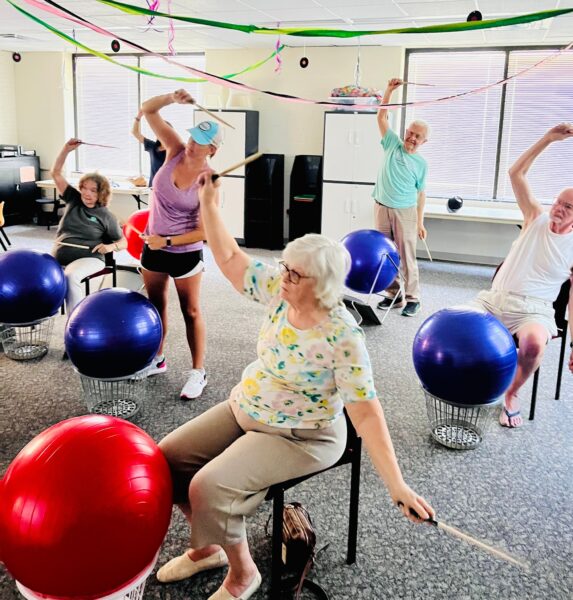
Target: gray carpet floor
514 491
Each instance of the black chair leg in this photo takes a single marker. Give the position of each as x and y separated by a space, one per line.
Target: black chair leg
5 236
560 368
353 514
534 395
276 544
3 245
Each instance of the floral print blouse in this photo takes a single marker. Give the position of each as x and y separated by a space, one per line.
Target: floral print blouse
301 378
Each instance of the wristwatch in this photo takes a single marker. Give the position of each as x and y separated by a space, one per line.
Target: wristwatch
168 241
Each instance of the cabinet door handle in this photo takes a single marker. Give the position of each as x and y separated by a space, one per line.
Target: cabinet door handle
351 138
356 138
17 187
353 205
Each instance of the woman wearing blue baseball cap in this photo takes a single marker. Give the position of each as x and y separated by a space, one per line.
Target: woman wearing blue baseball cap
174 235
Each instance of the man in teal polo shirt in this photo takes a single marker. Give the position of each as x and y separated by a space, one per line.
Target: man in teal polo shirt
399 202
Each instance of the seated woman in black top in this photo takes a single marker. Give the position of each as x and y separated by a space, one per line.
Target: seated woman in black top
86 222
156 150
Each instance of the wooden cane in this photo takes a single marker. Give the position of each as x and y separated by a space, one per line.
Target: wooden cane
73 245
247 160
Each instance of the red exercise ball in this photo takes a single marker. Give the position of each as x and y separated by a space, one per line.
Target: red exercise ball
135 225
84 508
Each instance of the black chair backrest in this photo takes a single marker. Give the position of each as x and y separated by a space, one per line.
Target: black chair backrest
560 305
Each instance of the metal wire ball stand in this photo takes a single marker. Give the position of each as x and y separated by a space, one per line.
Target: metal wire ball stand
27 341
458 426
119 397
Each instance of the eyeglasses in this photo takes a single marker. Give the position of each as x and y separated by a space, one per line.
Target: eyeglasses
293 276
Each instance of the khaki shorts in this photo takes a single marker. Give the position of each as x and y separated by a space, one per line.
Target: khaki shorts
515 310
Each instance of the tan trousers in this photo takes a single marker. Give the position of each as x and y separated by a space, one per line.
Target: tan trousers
223 462
401 225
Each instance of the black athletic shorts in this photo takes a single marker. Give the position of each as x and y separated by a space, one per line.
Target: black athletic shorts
178 265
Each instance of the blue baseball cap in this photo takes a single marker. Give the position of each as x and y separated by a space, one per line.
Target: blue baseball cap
207 133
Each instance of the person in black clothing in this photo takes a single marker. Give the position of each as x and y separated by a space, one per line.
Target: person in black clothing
156 150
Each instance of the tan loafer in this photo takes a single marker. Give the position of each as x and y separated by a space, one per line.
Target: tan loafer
182 567
223 594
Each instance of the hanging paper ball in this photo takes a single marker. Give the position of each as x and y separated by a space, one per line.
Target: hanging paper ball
115 46
16 57
475 15
454 204
304 62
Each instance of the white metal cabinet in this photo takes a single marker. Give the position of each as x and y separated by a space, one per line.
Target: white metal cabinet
232 205
345 208
352 149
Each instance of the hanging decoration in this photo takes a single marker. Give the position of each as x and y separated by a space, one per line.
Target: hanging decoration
85 23
115 45
278 56
343 33
217 80
16 57
171 34
304 60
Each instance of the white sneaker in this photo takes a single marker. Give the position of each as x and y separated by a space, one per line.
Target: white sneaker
157 366
195 384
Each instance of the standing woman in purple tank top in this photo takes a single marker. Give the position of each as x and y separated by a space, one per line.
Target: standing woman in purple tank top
174 235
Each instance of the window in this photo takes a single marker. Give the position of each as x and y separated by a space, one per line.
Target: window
475 139
108 98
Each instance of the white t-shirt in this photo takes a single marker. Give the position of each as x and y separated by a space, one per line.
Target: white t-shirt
538 263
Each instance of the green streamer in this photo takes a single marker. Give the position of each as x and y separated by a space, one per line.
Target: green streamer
136 69
342 33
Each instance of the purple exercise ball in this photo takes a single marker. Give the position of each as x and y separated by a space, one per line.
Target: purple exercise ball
368 250
113 333
32 286
464 356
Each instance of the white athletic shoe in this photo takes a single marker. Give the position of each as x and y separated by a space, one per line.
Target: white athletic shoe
195 384
157 366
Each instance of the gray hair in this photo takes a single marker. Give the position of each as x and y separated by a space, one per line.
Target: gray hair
422 123
325 260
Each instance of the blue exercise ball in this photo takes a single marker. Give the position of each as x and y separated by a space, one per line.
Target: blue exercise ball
464 356
32 286
113 333
368 249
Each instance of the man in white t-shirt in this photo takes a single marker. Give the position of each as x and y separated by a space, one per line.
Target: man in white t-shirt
529 280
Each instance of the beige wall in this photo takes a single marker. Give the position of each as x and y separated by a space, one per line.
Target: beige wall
45 115
8 121
289 128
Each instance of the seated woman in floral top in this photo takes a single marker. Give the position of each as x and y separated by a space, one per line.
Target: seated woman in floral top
285 418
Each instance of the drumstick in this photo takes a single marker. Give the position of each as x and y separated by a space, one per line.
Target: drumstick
73 245
427 250
247 160
211 114
134 229
414 83
479 544
467 538
99 145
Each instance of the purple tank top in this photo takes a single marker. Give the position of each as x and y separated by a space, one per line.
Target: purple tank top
173 211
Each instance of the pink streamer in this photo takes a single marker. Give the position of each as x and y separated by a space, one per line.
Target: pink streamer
171 36
285 97
279 60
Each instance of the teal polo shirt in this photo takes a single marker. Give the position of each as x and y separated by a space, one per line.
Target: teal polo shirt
401 175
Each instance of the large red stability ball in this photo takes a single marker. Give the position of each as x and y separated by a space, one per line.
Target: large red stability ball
135 225
84 508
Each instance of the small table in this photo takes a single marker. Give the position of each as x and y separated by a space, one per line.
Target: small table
121 188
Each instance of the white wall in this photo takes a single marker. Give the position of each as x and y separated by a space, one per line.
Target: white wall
44 89
8 120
